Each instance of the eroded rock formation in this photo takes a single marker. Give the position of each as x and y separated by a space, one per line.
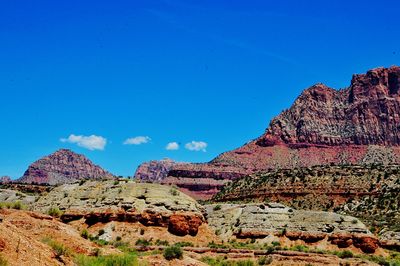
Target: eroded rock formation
273 222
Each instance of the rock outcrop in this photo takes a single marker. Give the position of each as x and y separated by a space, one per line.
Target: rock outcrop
274 222
125 201
371 192
63 166
356 125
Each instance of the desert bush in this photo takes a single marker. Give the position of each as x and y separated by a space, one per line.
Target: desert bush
217 207
173 252
162 242
345 254
55 212
17 205
143 242
85 234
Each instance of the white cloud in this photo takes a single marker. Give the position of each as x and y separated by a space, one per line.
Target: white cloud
137 140
172 146
91 142
196 146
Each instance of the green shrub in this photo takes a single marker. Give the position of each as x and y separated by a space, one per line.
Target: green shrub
300 248
55 212
217 207
85 234
345 254
173 252
276 244
162 242
101 232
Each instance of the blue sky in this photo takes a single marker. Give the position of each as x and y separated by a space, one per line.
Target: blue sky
213 72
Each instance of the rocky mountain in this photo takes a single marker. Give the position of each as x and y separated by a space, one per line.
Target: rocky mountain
324 126
63 166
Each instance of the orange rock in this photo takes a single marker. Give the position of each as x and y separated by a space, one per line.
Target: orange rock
181 225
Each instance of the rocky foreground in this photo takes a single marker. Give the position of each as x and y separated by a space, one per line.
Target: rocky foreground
99 216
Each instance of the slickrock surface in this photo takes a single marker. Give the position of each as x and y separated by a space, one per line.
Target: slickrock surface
276 222
63 166
356 125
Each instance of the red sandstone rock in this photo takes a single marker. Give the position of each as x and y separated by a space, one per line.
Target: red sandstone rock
182 225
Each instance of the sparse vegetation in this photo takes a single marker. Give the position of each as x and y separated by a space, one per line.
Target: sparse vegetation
110 260
16 205
143 242
58 248
221 261
173 252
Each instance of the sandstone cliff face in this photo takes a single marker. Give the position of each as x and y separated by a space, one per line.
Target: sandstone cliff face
356 125
368 112
63 166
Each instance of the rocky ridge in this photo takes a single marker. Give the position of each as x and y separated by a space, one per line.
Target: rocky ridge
63 166
274 222
125 201
356 125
